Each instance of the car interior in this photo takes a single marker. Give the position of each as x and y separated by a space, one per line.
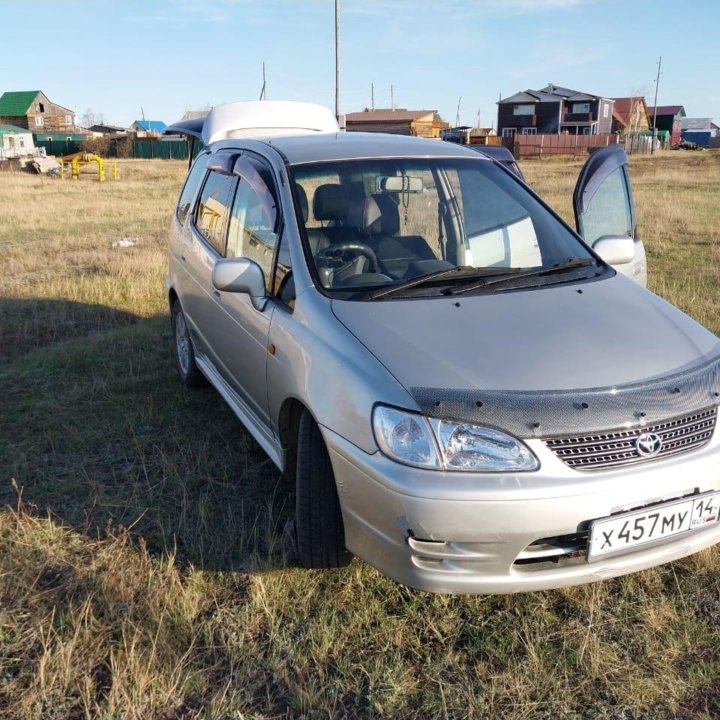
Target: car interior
358 241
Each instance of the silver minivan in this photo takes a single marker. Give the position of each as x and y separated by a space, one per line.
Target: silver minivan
467 395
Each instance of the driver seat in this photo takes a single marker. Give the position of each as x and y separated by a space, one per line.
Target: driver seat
381 224
330 206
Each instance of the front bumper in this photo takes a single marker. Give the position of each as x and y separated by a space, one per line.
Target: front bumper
470 533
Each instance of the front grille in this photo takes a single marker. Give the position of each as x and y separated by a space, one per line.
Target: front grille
611 449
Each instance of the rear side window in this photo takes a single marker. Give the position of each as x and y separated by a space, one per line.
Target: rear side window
192 183
213 209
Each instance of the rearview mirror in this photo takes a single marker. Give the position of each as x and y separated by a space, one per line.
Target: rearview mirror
399 183
615 249
240 275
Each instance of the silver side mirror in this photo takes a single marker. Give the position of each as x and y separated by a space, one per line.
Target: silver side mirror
241 275
615 249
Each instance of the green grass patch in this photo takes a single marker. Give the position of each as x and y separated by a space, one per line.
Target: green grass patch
144 571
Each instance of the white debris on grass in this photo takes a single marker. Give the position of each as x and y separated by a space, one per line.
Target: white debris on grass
127 242
45 165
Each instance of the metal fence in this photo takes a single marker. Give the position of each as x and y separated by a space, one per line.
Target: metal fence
59 147
123 148
159 149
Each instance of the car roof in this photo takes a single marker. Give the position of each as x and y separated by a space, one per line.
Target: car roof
496 152
320 147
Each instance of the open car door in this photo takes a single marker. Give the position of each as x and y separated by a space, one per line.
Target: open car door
604 207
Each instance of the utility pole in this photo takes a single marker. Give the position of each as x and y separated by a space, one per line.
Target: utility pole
657 83
372 96
264 85
457 114
392 98
337 60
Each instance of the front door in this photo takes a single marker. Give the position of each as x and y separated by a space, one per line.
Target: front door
239 331
603 204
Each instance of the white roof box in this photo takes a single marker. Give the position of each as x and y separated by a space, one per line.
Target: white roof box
263 118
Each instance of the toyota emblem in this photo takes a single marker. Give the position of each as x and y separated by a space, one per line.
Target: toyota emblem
648 444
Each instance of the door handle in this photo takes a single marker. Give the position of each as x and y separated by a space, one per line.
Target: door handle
216 293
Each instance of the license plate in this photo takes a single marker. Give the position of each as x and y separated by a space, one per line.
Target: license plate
628 531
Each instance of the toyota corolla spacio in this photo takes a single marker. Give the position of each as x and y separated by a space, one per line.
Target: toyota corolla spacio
469 394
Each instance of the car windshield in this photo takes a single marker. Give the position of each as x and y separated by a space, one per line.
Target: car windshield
422 224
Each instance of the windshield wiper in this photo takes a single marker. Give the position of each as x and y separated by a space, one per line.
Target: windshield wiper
459 272
570 264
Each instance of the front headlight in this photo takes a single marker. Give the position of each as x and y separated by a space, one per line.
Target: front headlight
473 448
405 437
440 444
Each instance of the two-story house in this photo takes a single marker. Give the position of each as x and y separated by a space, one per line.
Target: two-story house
31 109
554 110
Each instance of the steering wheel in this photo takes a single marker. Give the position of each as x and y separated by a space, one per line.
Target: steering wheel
338 251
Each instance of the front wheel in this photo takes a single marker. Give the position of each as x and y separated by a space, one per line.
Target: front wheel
187 369
319 528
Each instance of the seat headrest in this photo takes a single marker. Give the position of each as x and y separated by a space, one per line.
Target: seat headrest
355 194
302 201
380 215
329 203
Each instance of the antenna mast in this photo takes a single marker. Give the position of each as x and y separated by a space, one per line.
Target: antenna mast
337 60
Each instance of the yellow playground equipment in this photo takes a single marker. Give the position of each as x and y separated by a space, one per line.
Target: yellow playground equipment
77 159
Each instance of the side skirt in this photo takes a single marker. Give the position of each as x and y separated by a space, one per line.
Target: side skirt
265 438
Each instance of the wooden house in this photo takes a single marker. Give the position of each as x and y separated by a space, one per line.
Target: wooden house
31 109
421 123
630 116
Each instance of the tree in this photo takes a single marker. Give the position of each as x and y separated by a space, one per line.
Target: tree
90 118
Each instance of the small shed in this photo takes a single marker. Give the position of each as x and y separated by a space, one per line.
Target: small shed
15 142
422 123
101 129
668 117
699 130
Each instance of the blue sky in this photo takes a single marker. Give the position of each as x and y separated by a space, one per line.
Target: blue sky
166 56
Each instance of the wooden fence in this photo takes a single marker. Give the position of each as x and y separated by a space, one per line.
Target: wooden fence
523 146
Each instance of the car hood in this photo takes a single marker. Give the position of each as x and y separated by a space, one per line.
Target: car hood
567 341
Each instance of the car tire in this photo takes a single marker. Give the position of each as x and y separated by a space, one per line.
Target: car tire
319 531
187 369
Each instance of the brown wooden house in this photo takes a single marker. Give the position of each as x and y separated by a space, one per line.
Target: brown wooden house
31 109
422 123
630 115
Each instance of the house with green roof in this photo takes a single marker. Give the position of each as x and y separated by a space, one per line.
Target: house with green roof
32 110
16 142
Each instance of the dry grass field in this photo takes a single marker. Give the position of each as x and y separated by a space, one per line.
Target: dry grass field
143 573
